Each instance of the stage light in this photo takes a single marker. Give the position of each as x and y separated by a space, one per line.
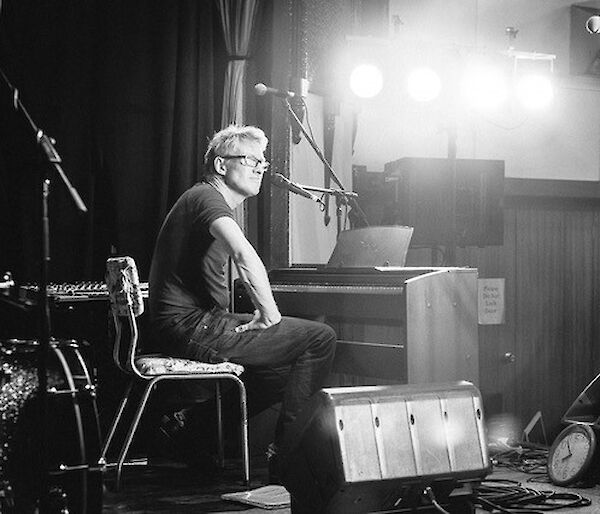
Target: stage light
366 81
484 88
534 91
424 85
593 24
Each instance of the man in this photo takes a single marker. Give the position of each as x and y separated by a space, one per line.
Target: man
286 359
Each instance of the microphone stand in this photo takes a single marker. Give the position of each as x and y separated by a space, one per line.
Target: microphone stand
54 160
333 192
341 195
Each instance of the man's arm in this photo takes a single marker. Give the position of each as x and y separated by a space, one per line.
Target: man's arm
251 270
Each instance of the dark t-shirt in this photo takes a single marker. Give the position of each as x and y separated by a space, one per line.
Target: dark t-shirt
187 276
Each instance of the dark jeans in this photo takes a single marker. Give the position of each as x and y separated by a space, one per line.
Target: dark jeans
287 362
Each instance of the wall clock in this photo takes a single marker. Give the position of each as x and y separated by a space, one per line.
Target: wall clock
571 454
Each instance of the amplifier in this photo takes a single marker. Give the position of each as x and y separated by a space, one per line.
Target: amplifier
70 292
387 449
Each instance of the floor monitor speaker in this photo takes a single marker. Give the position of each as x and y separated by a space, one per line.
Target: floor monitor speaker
387 449
586 407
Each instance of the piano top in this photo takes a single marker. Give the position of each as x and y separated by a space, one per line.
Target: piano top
377 275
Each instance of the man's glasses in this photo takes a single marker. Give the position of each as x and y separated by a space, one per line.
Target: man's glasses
248 160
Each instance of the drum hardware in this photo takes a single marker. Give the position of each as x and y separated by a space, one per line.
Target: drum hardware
7 281
140 461
62 468
58 500
65 468
72 392
73 475
6 496
4 375
91 392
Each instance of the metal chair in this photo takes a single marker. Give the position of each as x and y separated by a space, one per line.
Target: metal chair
148 370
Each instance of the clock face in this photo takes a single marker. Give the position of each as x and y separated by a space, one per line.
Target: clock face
571 454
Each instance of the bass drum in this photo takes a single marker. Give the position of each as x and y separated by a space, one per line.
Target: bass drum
69 437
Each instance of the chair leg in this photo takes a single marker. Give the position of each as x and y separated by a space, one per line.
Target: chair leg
132 429
115 422
243 427
220 438
244 430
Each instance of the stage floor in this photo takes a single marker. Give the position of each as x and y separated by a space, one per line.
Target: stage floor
173 489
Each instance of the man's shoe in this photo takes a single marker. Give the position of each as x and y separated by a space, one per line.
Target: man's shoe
168 443
172 424
176 442
273 465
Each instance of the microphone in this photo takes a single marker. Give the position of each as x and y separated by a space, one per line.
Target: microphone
262 90
279 180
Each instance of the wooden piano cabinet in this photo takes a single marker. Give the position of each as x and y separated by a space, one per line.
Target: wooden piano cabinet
441 315
400 325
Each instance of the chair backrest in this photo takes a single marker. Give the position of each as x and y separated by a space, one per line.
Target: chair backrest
126 303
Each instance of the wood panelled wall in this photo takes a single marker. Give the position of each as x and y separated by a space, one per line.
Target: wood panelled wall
548 350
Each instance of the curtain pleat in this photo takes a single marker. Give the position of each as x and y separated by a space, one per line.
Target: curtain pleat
233 93
237 20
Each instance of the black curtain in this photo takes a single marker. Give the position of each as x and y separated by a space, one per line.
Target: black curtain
131 90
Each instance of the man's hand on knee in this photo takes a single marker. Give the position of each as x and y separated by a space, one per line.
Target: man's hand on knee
260 321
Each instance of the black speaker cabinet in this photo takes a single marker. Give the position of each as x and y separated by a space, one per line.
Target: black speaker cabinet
472 216
584 47
378 449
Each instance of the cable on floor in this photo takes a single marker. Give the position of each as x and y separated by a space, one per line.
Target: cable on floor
509 496
524 457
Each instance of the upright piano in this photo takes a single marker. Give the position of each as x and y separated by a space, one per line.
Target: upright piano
394 324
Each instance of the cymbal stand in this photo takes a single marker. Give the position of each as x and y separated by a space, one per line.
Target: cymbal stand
46 143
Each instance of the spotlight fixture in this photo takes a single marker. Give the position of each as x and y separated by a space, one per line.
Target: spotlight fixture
484 88
593 24
532 72
511 32
535 91
366 81
424 85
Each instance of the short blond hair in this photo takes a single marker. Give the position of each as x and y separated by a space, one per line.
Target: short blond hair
227 141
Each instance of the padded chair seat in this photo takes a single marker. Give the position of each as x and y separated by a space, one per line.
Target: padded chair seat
164 365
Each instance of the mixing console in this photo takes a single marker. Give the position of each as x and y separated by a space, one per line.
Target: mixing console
71 292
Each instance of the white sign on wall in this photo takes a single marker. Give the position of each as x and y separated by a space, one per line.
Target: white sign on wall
490 301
